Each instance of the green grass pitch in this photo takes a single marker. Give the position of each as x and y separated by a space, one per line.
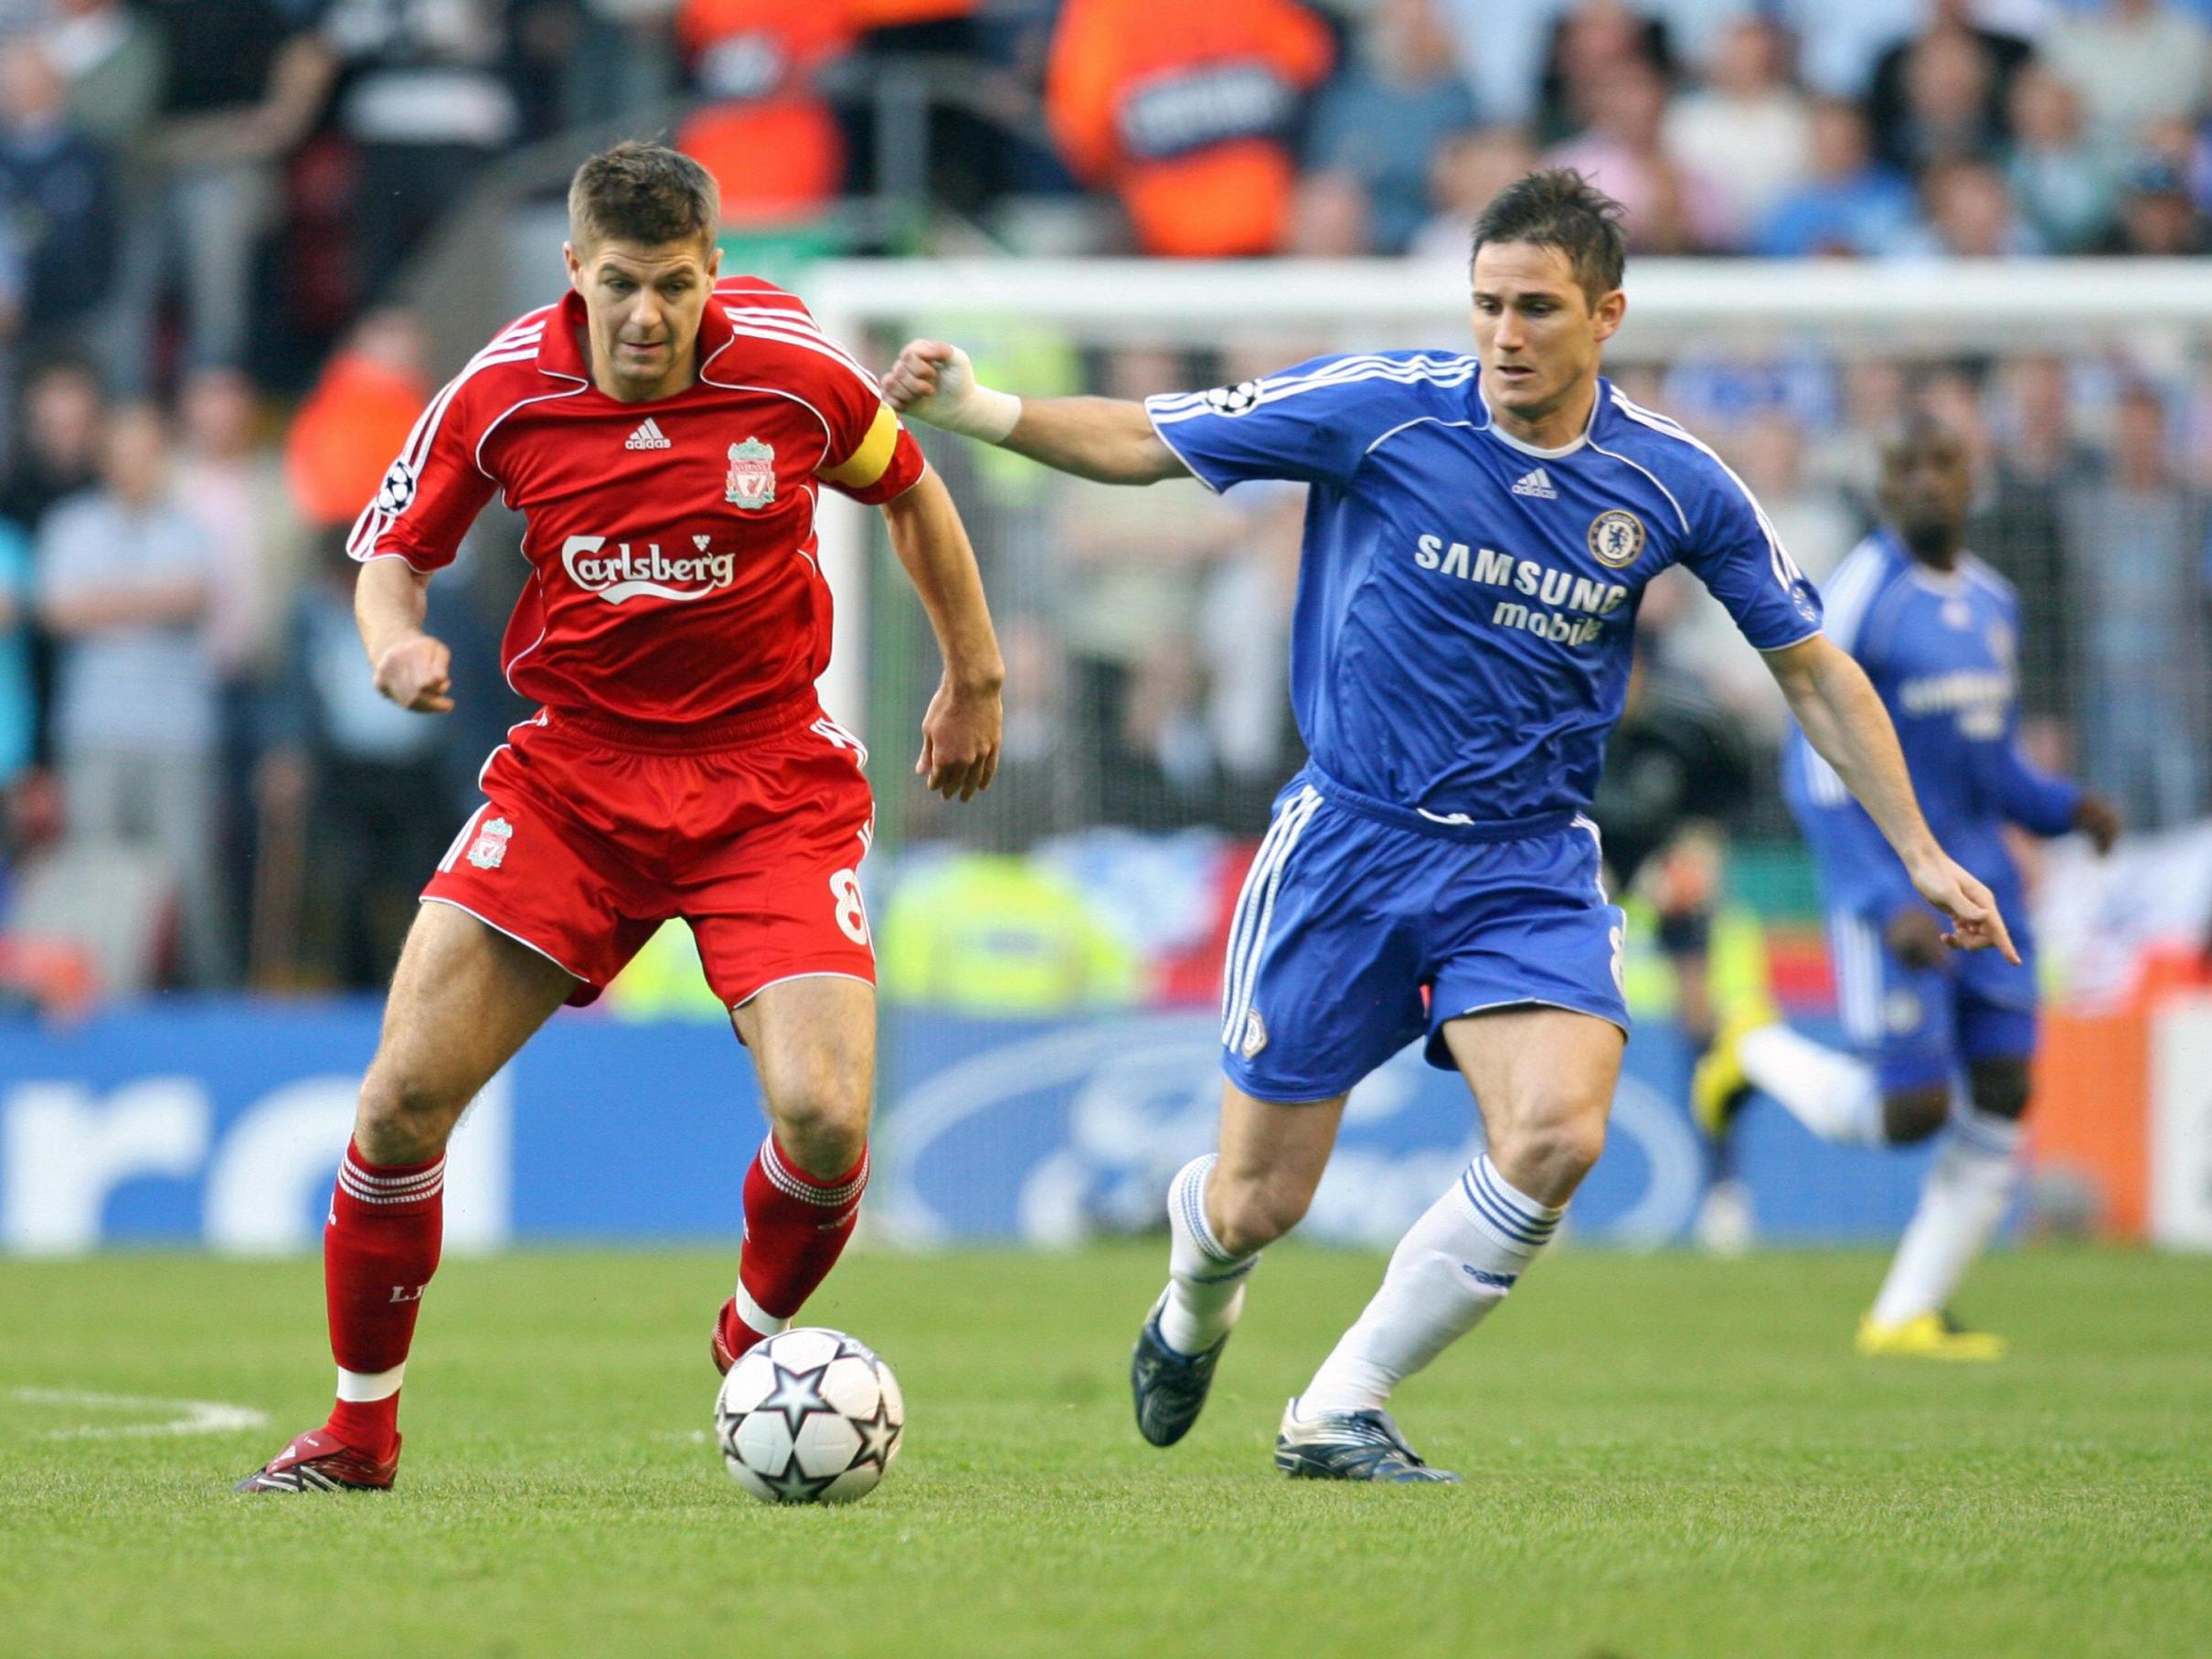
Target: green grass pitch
1664 1455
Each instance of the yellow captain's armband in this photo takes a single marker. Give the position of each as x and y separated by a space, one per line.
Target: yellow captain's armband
865 464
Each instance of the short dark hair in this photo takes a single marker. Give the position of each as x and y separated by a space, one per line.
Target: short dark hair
1557 207
643 192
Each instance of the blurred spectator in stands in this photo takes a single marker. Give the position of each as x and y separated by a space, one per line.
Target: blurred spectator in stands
1382 120
424 97
1331 219
1970 215
1591 42
58 191
1850 203
2133 62
357 417
768 137
1843 46
1846 458
1467 170
125 582
351 789
1940 93
1948 105
1135 560
621 59
242 88
63 409
2138 541
232 482
111 57
1184 113
2062 182
1667 208
18 691
2157 215
1747 129
2019 526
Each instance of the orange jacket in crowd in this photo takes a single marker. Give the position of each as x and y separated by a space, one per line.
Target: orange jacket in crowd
771 140
1183 110
347 432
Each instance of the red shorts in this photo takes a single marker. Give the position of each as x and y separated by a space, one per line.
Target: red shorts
596 831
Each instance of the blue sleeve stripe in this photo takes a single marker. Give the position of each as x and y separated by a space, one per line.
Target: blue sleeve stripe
1405 372
1350 367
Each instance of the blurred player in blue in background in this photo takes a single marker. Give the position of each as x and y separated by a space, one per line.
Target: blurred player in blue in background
1479 530
1938 632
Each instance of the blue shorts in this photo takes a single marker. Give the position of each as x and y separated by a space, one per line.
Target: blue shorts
1919 1026
1351 913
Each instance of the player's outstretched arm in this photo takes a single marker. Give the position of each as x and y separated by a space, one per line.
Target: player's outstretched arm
1108 439
415 671
960 732
1845 721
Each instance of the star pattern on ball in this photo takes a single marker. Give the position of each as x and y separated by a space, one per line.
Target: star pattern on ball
797 1395
795 1485
879 1434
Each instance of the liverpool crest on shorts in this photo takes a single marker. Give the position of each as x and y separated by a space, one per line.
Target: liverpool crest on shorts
751 481
490 850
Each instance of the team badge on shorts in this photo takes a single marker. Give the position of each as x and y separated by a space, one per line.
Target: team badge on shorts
1255 1034
489 850
1616 537
752 481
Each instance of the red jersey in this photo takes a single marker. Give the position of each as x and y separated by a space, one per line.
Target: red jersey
671 548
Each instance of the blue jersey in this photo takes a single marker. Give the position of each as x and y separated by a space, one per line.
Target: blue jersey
1941 650
1466 602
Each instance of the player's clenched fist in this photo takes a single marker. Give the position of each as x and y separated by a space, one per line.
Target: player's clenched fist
960 739
935 383
416 674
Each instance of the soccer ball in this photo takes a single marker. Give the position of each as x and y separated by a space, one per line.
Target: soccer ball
809 1416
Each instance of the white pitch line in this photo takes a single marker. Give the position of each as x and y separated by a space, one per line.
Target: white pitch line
185 1416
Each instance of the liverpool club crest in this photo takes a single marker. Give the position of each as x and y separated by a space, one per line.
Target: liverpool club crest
751 482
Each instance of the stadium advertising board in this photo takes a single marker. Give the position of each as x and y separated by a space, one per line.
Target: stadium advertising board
217 1123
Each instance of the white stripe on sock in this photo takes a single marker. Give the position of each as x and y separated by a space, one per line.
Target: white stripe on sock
757 1317
360 1387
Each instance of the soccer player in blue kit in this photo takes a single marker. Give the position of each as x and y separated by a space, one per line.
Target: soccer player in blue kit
1937 631
1479 530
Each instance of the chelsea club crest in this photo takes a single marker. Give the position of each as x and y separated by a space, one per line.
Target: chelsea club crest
752 481
1616 537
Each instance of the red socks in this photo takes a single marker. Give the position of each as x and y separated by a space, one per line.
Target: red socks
379 1249
796 1226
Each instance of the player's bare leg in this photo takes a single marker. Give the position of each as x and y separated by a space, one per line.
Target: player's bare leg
814 1044
464 998
1223 1209
1544 1079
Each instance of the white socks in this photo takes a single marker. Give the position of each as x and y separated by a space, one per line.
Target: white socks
1451 1269
1962 1201
1832 1094
1205 1282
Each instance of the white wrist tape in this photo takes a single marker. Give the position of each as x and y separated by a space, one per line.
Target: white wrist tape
986 414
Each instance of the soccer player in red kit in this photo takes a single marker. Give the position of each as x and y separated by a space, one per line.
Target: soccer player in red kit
665 434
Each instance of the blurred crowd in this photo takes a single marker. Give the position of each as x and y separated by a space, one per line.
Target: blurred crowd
209 210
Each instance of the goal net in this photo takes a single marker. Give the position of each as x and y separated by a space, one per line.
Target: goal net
1145 629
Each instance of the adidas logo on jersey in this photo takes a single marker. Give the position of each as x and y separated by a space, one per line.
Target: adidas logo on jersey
649 437
1529 484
